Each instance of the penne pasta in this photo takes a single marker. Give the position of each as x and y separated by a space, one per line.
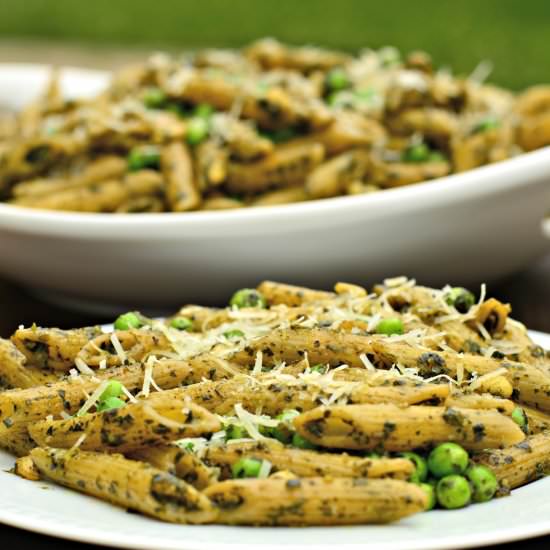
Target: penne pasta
397 429
125 483
314 501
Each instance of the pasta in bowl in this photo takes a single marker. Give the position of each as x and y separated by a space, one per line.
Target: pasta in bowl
271 124
100 139
346 407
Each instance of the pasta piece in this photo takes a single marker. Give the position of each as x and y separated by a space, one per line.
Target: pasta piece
211 160
103 169
135 344
287 165
14 372
308 463
398 429
432 122
290 295
221 202
25 468
281 196
15 438
519 464
178 462
29 405
125 483
134 426
492 314
273 394
397 174
105 196
271 54
480 401
538 421
314 501
52 347
330 178
241 139
177 168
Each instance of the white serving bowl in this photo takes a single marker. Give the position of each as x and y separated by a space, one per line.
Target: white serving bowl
466 228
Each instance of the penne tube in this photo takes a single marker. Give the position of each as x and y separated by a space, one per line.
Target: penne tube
291 295
104 168
178 462
480 401
15 438
14 372
399 429
281 196
134 426
25 468
519 464
127 483
314 501
104 196
177 169
274 394
287 165
69 395
305 463
330 178
52 347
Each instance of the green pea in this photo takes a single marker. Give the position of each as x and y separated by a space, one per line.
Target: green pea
203 110
284 431
337 79
301 442
489 123
520 418
197 130
447 459
320 368
430 493
126 321
461 298
109 404
181 323
453 492
233 431
113 389
247 297
416 153
246 467
143 157
234 334
420 473
154 98
389 326
483 481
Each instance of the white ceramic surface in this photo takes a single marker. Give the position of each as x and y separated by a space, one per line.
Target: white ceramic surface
53 510
466 228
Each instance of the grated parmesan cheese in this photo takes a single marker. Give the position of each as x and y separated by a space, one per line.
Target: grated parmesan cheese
81 365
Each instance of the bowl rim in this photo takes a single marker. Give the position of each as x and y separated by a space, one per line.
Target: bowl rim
461 187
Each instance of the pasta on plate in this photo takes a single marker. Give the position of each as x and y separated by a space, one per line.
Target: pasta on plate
344 407
269 124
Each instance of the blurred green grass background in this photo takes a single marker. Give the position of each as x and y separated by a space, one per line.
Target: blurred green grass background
514 34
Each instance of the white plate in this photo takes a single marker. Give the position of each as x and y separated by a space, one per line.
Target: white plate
53 510
466 228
